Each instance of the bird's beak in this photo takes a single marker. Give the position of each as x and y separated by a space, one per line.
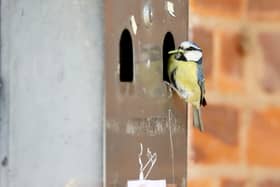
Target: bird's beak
176 51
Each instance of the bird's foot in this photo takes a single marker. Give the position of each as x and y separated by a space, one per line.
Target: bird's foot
172 87
169 86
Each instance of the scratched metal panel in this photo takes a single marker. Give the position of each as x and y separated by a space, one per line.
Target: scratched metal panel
143 110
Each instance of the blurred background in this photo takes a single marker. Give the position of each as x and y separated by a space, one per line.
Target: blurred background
241 145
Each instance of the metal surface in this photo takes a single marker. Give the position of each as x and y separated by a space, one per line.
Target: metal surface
52 57
142 109
52 100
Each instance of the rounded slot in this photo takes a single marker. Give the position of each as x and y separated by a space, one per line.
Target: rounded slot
168 45
126 57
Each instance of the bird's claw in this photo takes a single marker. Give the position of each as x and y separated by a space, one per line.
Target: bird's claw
171 87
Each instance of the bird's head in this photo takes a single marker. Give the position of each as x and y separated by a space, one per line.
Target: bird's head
188 51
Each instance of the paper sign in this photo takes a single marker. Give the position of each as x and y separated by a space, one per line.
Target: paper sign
146 183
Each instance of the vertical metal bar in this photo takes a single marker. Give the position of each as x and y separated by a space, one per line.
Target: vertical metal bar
53 100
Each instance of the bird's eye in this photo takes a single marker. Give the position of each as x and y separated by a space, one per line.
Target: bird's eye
193 49
180 56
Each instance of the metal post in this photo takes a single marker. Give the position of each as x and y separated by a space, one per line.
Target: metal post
52 97
139 107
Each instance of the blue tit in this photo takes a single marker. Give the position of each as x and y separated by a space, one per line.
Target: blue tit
185 71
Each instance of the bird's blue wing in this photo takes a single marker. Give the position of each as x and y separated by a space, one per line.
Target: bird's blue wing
201 83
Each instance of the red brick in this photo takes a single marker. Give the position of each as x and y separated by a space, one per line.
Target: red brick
223 8
200 183
232 53
204 38
270 43
269 183
219 142
226 182
231 61
221 121
264 9
263 138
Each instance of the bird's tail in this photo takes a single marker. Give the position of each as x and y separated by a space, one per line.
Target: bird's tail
197 119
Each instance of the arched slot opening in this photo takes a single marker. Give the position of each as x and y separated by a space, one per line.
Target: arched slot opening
126 57
168 45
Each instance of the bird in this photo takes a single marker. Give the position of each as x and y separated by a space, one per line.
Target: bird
186 76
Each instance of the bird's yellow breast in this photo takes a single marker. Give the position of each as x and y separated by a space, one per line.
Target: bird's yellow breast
186 79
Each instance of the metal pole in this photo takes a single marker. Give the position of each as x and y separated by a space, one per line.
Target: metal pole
52 99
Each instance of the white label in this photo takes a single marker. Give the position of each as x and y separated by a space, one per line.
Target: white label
146 183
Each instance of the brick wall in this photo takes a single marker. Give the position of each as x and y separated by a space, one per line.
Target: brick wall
241 43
